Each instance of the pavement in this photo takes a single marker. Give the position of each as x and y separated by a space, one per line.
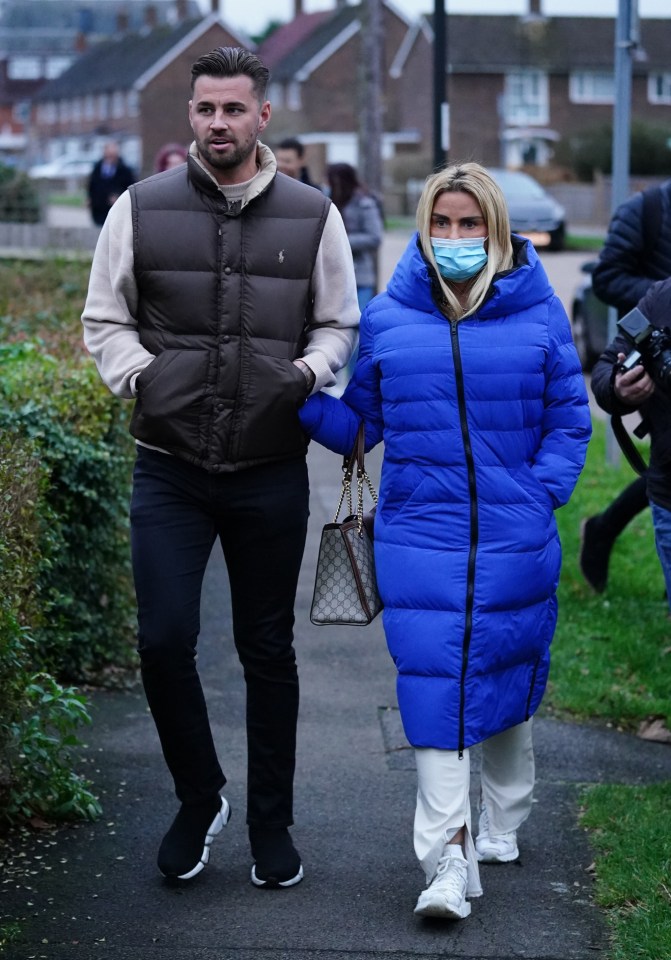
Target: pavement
92 890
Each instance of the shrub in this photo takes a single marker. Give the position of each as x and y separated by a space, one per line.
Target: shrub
592 150
19 199
83 582
37 716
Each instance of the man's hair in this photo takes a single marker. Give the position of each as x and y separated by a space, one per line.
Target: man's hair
233 62
291 143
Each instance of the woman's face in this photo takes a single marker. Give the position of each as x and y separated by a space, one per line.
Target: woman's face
457 216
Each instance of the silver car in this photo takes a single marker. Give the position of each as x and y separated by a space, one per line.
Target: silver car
533 212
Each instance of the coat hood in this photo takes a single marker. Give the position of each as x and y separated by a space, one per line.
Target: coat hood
523 286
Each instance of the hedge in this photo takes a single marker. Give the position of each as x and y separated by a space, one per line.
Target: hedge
66 600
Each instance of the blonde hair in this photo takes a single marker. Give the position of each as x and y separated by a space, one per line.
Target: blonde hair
473 179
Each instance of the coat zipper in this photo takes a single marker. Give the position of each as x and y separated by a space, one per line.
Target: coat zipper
473 536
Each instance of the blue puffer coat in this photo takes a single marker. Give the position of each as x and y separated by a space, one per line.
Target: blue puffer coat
485 424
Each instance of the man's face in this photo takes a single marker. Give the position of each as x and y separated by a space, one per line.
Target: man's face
288 162
226 119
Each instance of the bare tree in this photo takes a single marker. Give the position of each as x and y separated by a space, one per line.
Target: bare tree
370 96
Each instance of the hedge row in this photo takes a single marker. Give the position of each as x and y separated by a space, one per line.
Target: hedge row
66 603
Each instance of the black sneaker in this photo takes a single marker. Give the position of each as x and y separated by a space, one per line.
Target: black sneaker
277 862
185 848
594 555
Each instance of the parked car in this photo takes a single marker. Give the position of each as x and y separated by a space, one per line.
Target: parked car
73 166
533 212
589 318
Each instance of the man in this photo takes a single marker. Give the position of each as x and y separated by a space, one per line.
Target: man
290 155
636 254
222 293
109 178
645 388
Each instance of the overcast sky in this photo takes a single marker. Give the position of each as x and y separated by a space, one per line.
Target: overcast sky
253 15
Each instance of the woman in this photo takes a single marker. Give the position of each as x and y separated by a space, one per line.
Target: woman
363 222
170 155
468 372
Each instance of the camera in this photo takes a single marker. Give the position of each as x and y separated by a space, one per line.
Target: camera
652 348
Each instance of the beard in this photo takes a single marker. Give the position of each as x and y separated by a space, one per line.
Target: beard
233 157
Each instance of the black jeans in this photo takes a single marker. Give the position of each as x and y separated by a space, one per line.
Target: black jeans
260 516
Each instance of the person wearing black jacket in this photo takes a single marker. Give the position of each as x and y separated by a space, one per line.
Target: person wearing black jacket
636 254
109 178
619 392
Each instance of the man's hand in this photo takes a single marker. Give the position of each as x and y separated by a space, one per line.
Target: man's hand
307 373
633 387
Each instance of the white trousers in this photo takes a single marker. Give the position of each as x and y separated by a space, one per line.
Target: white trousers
443 800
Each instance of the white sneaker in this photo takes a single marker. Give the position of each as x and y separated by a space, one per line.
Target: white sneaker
445 896
500 848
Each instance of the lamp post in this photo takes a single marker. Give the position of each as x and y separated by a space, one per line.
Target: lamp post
441 107
626 44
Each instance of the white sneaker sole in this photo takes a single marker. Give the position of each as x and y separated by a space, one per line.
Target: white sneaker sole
438 907
492 857
272 885
213 830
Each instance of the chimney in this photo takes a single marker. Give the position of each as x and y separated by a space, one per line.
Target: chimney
181 7
150 16
535 8
298 8
122 21
215 6
80 42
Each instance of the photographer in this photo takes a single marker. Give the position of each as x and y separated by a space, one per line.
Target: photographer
646 387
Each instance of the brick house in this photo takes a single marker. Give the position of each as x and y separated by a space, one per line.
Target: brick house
134 89
39 39
315 64
520 86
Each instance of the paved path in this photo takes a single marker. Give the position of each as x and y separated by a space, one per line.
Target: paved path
93 890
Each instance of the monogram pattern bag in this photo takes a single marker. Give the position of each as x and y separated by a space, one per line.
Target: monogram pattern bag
345 586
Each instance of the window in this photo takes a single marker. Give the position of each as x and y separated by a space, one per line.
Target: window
133 103
276 95
294 96
591 87
659 88
118 105
103 106
24 68
55 66
89 107
526 99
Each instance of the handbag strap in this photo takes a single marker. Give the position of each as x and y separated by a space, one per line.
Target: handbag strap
356 458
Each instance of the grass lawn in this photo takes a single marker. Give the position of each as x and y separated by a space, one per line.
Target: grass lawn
612 662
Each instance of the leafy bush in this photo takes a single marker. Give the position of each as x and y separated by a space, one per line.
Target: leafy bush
40 755
37 716
66 605
19 200
83 579
592 150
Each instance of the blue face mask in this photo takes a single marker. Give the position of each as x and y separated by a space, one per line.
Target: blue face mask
459 259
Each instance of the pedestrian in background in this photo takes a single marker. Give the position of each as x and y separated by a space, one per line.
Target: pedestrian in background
170 155
220 296
636 254
363 222
468 373
290 154
108 180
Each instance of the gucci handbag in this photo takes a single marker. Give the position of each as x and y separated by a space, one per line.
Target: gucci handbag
345 585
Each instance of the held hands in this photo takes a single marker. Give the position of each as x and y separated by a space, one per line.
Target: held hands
633 387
